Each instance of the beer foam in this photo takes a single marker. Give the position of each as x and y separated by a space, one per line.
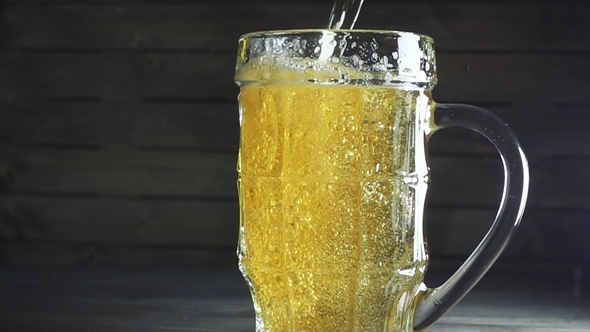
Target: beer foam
279 68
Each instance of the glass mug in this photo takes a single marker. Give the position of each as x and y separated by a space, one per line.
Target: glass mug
333 177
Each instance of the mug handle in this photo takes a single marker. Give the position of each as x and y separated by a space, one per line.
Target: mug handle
435 302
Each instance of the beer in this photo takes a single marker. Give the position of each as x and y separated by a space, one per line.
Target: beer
331 195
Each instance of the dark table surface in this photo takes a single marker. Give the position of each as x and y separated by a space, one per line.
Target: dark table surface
216 299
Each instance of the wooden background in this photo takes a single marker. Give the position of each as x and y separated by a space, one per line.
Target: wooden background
119 131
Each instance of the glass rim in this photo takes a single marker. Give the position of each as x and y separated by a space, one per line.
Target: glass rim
329 55
292 32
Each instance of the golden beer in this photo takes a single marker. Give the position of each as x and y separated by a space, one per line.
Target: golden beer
329 198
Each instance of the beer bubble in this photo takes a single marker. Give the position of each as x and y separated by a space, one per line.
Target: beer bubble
342 43
374 45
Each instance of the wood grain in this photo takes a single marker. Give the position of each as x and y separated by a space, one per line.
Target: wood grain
150 124
465 180
544 130
215 26
124 172
90 254
119 125
174 223
117 76
133 77
52 226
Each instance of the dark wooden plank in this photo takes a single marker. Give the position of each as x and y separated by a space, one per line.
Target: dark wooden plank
123 172
215 26
543 235
153 222
574 180
129 173
31 124
61 253
506 78
554 182
116 76
134 77
559 183
159 224
209 26
544 130
457 180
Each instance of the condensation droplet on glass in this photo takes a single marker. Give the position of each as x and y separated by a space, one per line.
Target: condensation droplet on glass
276 49
317 49
353 45
335 59
374 45
375 56
342 43
394 55
427 66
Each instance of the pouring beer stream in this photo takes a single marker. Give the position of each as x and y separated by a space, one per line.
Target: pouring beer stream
344 14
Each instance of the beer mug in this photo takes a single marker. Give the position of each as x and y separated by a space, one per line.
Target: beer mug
333 177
